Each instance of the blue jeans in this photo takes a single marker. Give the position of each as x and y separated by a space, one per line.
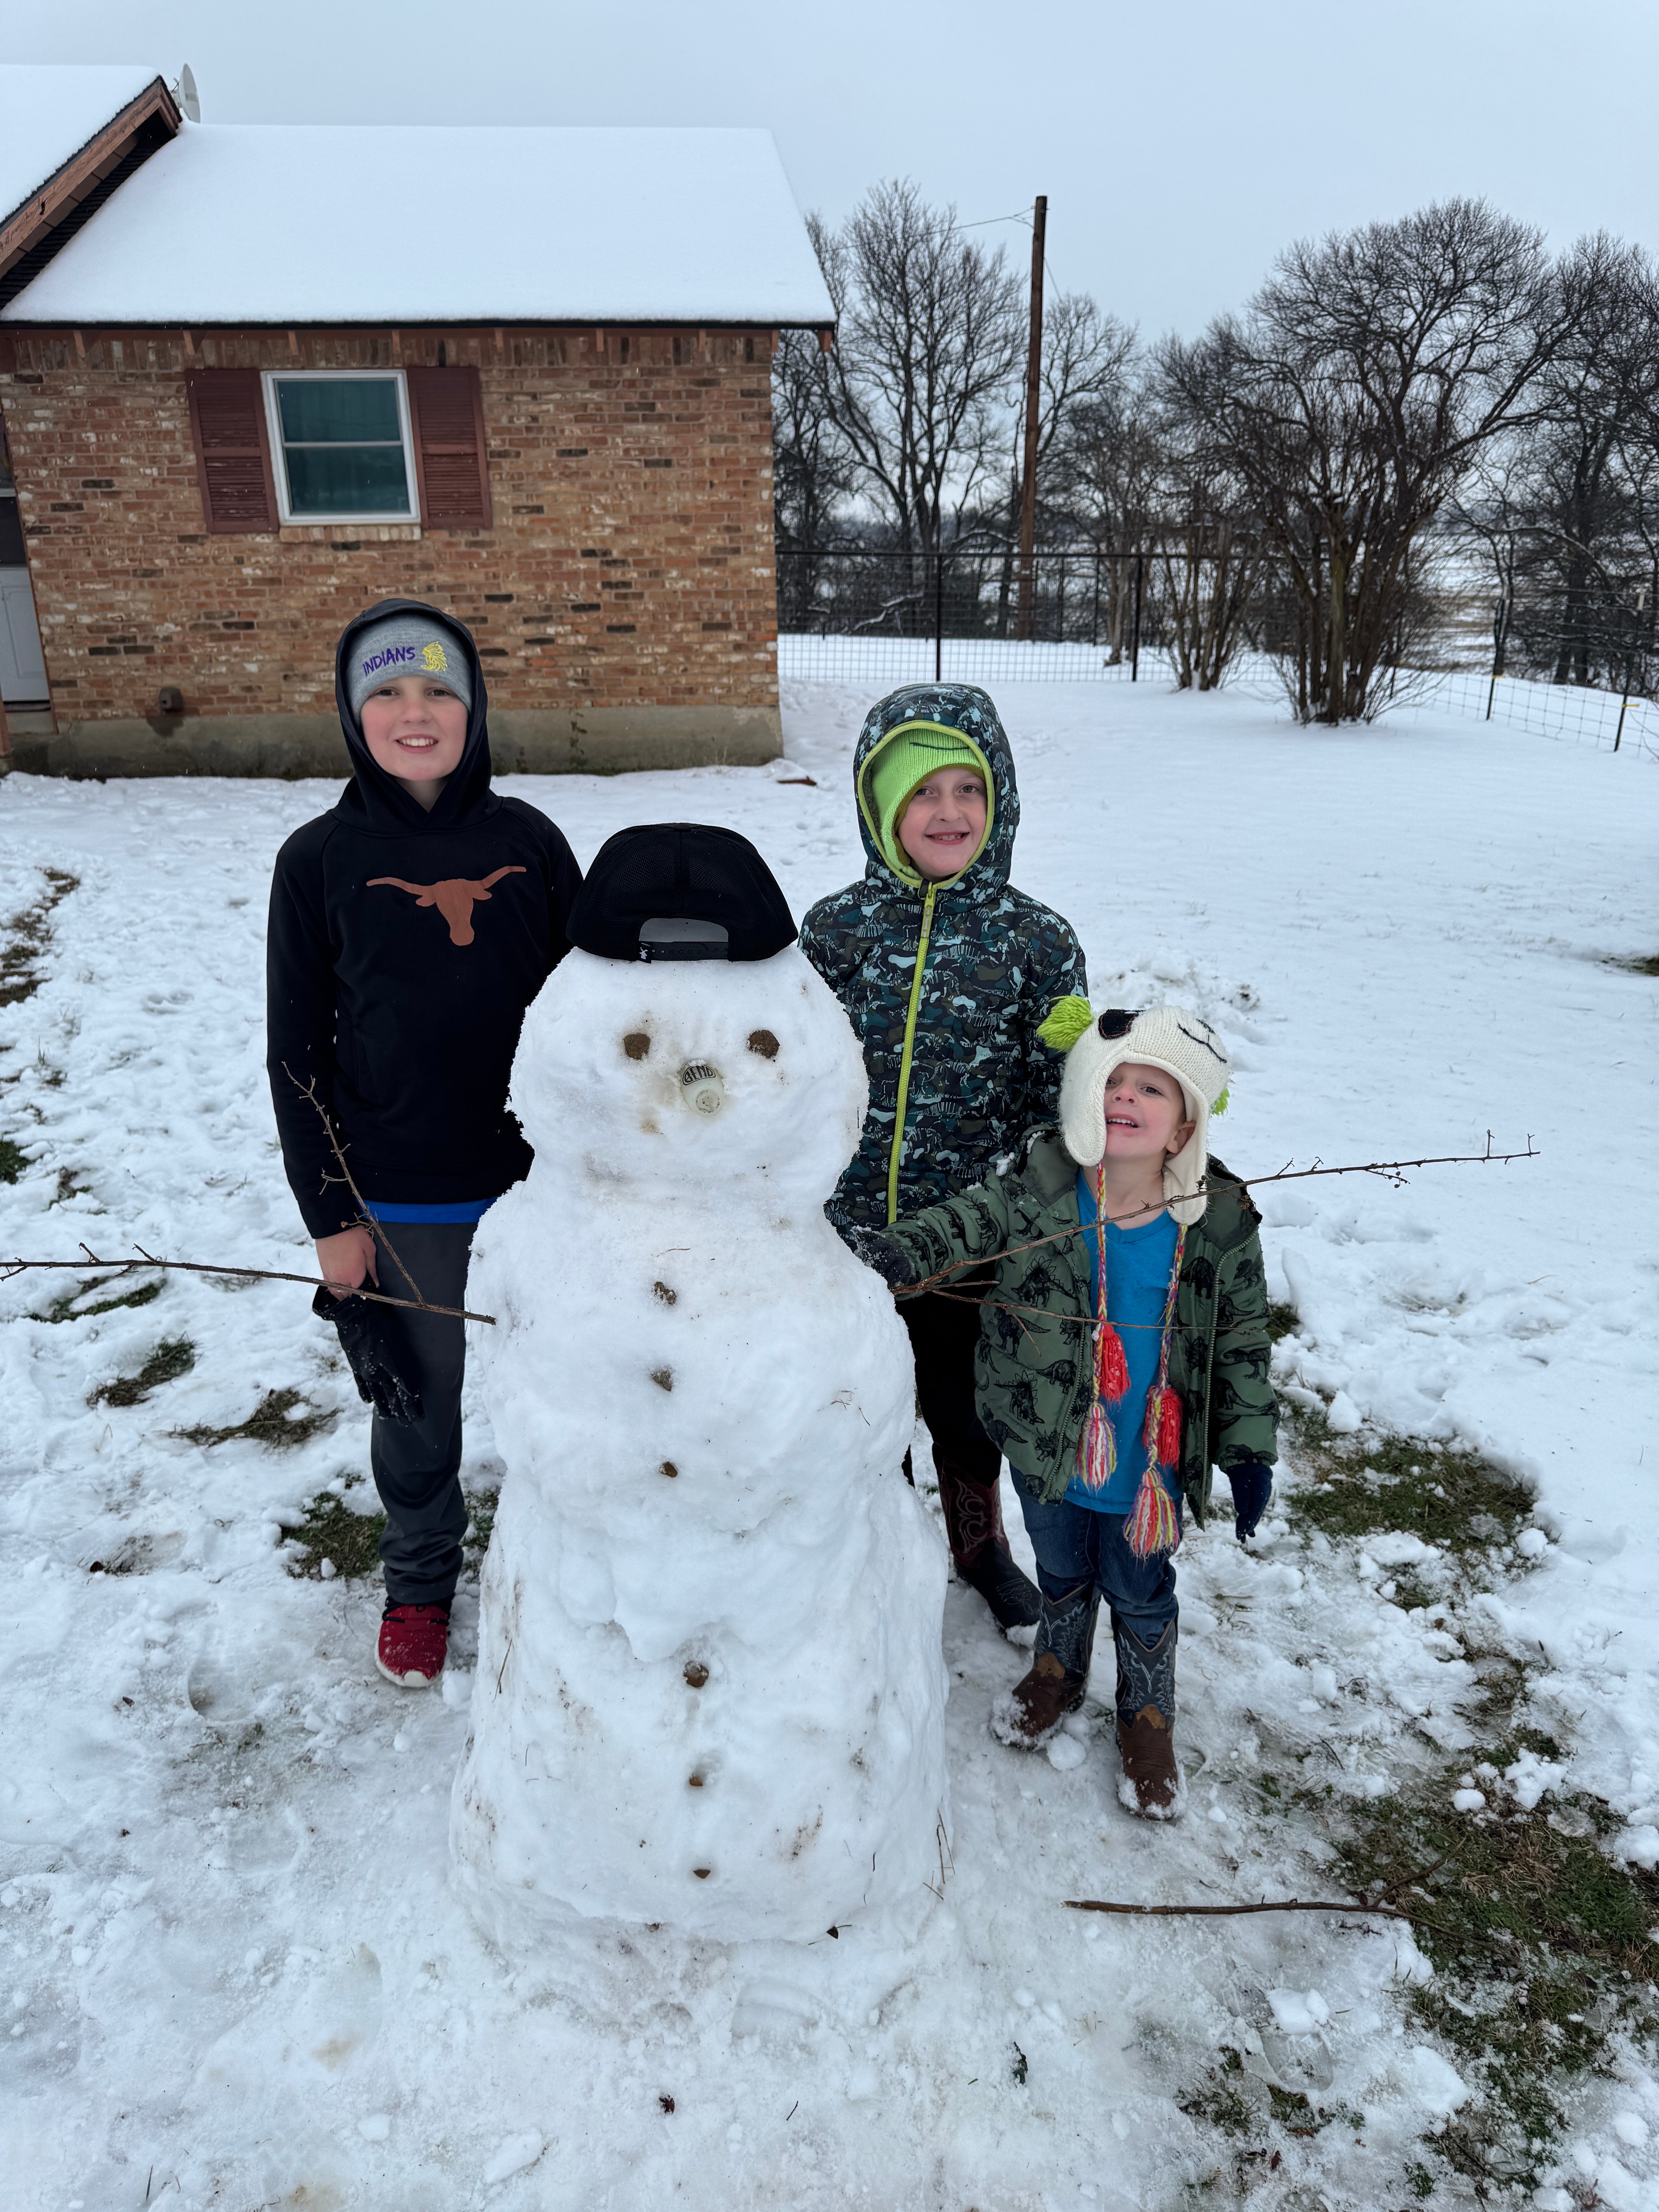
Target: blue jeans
1076 1546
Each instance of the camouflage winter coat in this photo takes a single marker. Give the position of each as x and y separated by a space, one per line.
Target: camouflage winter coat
1034 1370
963 1050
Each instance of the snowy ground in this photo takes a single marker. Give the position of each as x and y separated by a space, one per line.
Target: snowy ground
231 1964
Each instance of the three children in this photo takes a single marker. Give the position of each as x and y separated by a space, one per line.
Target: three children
1094 1303
410 926
947 973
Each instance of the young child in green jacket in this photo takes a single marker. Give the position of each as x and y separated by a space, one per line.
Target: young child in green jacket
1123 1353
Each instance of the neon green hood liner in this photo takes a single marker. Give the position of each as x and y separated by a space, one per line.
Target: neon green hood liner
908 756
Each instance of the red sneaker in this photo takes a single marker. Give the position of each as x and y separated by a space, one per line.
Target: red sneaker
414 1640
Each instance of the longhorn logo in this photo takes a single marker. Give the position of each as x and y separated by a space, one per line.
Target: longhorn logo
454 898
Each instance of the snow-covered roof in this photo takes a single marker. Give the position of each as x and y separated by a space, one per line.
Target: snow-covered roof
49 110
424 222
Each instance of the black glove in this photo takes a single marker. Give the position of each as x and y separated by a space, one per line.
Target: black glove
879 1253
368 1341
1252 1487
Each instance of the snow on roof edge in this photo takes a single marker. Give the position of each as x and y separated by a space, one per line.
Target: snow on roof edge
11 72
622 225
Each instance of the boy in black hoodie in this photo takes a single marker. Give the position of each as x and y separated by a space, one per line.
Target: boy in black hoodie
410 927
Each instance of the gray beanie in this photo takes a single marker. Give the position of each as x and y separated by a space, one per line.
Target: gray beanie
408 645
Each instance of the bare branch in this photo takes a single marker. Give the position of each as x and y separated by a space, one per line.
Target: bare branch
88 1259
365 1218
1391 1171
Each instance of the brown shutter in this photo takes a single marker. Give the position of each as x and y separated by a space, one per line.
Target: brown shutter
445 407
233 455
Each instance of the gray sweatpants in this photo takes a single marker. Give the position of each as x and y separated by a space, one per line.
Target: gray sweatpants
416 1464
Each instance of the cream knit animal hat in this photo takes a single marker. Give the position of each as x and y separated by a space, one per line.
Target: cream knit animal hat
1179 1041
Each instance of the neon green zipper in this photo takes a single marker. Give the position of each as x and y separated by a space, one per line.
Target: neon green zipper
948 883
904 1057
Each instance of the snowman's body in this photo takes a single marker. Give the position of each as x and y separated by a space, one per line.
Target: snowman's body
709 1690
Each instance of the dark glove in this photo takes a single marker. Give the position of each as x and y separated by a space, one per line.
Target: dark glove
368 1341
1252 1487
879 1253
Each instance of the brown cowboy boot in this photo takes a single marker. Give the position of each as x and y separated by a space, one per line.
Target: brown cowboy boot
979 1546
1150 1784
1031 1712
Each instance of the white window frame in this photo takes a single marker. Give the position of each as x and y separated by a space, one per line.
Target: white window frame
271 377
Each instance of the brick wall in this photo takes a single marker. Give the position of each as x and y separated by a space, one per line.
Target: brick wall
630 562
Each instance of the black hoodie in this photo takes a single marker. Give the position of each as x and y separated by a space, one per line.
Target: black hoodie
402 950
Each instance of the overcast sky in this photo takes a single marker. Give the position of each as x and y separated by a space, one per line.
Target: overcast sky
1181 146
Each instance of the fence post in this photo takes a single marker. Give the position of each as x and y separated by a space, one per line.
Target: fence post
939 619
1499 628
1624 709
1134 643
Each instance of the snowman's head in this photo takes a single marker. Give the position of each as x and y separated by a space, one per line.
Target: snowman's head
736 1083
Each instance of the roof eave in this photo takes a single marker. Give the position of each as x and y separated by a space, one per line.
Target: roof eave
59 194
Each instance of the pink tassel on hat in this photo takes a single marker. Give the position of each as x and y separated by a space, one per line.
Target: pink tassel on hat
1162 1426
1152 1524
1111 1365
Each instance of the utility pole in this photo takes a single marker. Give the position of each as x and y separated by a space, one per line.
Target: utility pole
1033 395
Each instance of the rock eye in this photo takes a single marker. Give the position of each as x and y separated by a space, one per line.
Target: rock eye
763 1042
636 1044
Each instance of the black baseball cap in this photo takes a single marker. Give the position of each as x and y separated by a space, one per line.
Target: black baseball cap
680 890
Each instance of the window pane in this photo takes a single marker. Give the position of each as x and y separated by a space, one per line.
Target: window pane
346 407
347 480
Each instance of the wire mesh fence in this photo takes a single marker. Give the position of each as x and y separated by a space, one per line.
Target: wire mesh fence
864 614
876 619
1571 711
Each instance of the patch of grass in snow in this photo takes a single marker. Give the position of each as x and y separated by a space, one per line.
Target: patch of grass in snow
1539 1943
13 1160
172 1357
25 936
1365 1485
350 1541
1282 1321
1539 1939
331 1531
272 1423
69 1307
1642 965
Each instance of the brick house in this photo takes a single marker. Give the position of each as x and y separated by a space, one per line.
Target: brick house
253 378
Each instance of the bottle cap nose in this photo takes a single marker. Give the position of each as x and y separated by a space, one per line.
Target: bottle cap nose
702 1088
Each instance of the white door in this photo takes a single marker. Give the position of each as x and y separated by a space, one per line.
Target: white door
22 664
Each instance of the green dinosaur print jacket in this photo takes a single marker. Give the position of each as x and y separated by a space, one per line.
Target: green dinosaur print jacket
1034 1368
945 984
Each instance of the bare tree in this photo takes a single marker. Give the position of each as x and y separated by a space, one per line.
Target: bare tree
1350 401
927 345
1567 506
813 471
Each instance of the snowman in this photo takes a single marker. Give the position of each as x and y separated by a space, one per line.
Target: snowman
709 1693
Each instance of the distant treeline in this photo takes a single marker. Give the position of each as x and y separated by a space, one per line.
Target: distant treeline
1303 478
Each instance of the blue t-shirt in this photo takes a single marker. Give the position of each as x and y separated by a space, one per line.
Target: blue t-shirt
460 1210
1138 1264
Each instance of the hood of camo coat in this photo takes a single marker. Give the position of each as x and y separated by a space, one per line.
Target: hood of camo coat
964 707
